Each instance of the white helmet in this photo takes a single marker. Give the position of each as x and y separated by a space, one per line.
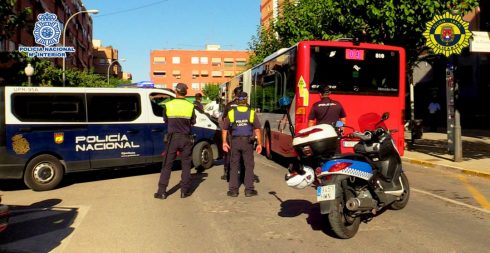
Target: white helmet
301 181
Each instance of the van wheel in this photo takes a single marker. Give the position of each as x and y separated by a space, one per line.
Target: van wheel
43 173
202 156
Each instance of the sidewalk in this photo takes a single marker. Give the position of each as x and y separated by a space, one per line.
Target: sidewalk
431 151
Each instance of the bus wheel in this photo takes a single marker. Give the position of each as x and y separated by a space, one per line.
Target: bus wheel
202 156
267 143
43 173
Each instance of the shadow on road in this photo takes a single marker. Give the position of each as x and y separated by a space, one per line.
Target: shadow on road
473 149
39 227
295 207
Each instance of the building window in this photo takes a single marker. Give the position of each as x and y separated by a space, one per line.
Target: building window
158 60
102 62
228 73
176 74
228 62
203 86
195 74
195 60
216 74
204 60
195 86
176 60
159 73
216 61
241 61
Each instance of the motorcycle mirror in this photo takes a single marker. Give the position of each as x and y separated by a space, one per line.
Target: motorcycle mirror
385 116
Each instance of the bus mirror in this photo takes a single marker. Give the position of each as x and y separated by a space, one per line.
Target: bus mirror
284 101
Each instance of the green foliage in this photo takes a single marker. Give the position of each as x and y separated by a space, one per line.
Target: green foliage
393 22
11 20
211 91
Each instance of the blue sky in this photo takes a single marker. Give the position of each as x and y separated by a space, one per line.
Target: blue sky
137 27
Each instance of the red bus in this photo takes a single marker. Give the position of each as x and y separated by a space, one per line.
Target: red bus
363 77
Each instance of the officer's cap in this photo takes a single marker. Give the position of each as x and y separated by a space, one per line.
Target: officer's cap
181 87
242 95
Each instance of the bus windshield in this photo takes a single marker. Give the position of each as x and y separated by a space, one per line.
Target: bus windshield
354 71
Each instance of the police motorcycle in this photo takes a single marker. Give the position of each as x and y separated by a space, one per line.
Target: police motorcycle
350 187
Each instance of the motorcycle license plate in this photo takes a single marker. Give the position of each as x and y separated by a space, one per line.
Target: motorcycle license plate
326 192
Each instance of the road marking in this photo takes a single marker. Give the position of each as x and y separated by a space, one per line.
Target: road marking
476 194
450 200
415 190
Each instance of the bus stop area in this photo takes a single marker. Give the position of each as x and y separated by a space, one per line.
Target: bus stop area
432 151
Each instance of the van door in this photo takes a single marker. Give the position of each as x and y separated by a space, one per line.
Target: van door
114 138
157 127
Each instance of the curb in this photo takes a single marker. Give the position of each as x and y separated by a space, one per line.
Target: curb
447 167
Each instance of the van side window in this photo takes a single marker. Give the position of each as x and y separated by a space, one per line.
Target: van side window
113 107
157 100
44 107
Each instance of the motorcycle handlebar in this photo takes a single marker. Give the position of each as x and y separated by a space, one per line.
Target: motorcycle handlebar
363 136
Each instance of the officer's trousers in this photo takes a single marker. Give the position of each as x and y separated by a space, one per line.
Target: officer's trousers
241 147
182 143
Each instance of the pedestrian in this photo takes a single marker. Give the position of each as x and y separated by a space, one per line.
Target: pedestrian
197 101
241 124
179 116
326 111
226 157
434 109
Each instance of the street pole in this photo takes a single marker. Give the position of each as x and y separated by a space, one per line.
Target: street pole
453 116
64 35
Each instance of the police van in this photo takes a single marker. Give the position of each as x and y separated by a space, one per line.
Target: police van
46 132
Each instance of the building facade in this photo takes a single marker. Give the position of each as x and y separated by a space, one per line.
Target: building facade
196 68
106 60
269 11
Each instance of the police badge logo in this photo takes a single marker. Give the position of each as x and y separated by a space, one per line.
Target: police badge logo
20 145
59 138
447 34
47 30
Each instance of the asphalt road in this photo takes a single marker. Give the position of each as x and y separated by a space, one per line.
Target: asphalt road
114 211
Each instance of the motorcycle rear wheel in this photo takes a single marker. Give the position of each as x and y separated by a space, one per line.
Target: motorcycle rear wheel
342 224
400 204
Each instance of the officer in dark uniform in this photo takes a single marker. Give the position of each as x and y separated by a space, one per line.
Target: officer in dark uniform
326 111
197 101
226 157
242 124
179 115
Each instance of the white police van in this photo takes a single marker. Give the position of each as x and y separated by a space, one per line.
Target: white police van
46 132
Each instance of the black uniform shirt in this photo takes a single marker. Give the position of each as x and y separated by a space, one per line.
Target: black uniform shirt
327 111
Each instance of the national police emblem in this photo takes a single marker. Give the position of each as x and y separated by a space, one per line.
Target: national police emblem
19 144
447 34
59 138
47 30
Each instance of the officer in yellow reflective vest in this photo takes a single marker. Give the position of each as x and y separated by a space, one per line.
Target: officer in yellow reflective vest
179 116
242 124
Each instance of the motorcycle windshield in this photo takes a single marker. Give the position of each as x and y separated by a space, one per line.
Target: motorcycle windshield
370 121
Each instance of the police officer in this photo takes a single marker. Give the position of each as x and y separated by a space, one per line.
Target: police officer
242 124
197 101
179 115
326 111
232 104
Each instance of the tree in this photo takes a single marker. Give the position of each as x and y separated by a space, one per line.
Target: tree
211 91
394 22
11 20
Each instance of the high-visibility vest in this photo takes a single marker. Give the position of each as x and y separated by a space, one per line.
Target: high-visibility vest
179 108
241 119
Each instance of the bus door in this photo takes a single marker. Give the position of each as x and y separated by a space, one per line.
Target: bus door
112 139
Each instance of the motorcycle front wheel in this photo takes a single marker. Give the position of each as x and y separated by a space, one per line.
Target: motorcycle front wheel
343 225
402 202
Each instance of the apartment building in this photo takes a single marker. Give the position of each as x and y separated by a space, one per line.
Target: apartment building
269 11
106 60
196 68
